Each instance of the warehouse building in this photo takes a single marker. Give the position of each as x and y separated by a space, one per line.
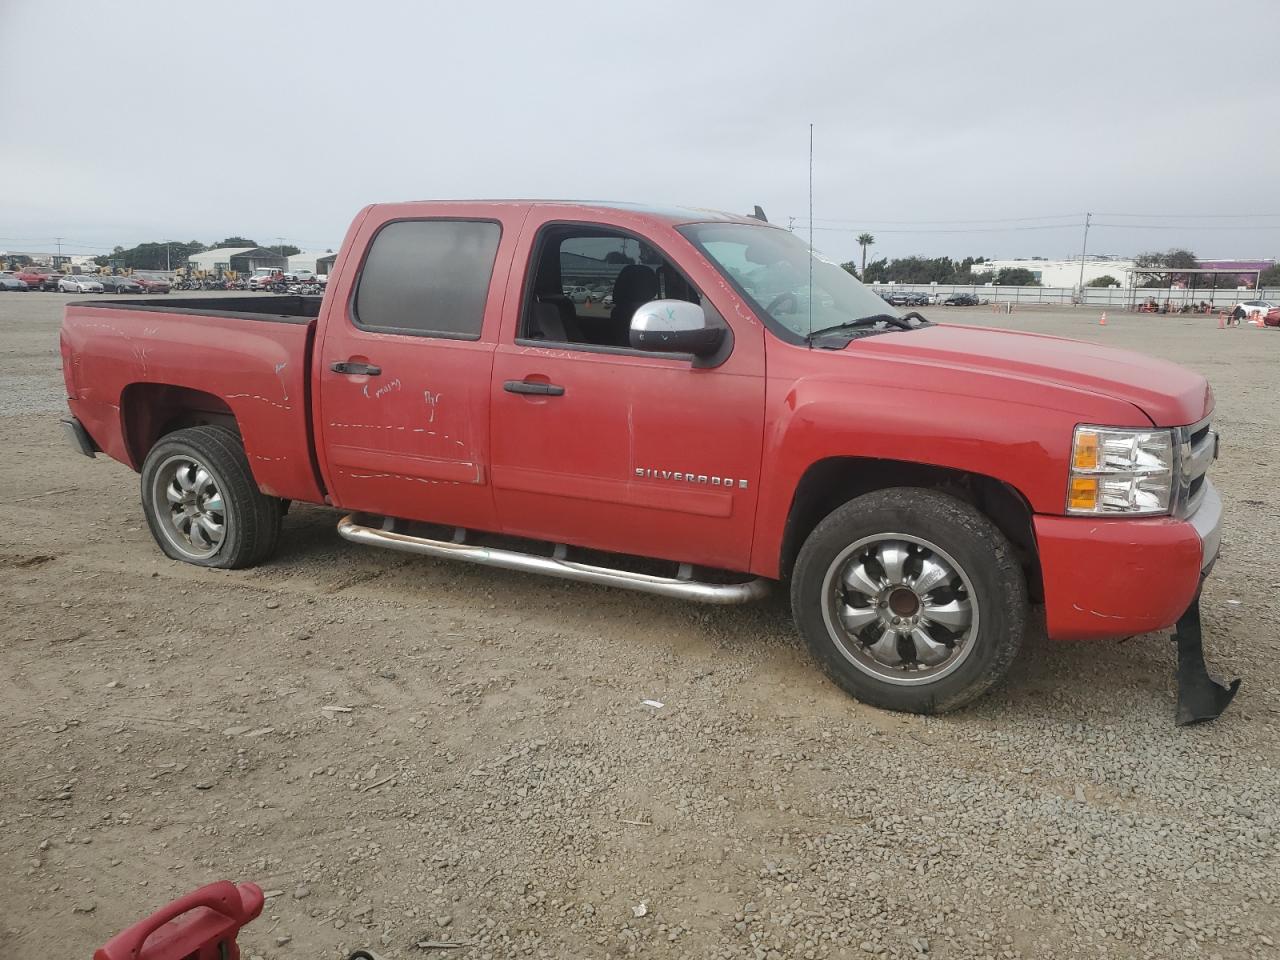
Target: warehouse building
1065 273
236 260
308 260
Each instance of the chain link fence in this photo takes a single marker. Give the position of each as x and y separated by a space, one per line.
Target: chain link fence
1113 297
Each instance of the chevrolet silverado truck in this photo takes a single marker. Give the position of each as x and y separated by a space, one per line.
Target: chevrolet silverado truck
741 411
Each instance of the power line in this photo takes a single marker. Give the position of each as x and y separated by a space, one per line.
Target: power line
872 223
1051 226
1194 216
1176 226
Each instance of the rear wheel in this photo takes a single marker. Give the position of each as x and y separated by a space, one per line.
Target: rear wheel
910 599
202 504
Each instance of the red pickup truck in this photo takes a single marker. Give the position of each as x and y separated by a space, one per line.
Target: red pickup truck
39 278
734 412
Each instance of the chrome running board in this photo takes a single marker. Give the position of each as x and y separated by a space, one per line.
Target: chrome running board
557 566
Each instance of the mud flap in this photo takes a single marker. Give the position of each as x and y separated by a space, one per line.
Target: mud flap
1200 697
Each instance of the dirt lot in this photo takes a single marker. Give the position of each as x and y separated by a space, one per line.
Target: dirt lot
492 778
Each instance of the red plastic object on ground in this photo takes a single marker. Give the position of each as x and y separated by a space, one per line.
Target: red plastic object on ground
203 925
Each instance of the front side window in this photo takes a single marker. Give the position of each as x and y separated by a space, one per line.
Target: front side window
586 282
787 282
428 277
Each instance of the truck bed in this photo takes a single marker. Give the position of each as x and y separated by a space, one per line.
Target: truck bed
269 307
136 368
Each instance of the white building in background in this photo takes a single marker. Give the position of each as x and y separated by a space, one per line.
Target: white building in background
306 260
1066 273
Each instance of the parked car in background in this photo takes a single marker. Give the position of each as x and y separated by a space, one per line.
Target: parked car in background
265 278
961 300
1251 309
896 298
81 284
119 284
151 284
10 282
40 278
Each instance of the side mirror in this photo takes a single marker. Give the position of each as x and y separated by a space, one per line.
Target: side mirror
674 326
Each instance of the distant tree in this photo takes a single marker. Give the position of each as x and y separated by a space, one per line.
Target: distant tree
964 271
235 242
1172 259
877 271
1270 278
617 256
287 249
151 256
865 240
1106 280
1016 277
922 270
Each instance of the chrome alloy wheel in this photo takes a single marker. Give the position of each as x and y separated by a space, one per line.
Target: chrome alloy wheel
900 608
189 507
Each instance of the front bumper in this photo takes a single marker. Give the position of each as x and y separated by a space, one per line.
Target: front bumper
1116 577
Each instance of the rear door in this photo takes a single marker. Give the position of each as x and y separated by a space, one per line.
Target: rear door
622 450
404 362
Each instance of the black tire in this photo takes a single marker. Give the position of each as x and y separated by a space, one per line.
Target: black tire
250 519
997 592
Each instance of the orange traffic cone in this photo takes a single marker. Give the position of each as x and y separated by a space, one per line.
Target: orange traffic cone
1102 320
1222 320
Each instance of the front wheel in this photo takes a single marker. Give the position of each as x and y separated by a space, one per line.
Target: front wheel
202 503
910 600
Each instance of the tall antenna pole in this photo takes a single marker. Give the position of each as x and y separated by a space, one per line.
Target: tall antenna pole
1083 247
811 230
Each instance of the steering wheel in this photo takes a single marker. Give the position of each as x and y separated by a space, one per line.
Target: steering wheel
782 298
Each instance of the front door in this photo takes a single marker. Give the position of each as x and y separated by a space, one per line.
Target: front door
602 446
403 368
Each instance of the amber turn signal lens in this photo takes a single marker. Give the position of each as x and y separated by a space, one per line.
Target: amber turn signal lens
1083 494
1085 454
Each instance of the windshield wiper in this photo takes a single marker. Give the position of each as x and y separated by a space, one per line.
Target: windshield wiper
892 319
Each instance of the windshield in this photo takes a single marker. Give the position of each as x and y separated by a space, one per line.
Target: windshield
772 267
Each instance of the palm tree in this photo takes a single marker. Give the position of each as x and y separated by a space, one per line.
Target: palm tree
865 240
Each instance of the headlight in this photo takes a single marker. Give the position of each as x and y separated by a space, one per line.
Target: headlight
1120 472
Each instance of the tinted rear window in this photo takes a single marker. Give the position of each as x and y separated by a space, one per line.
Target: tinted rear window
428 277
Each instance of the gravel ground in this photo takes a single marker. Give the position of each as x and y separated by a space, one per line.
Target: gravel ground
406 751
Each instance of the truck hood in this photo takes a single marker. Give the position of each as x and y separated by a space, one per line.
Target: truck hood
1168 394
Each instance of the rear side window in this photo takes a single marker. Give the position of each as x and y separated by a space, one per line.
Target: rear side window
428 277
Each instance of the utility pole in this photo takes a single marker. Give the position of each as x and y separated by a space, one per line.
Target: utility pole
1083 247
166 256
58 241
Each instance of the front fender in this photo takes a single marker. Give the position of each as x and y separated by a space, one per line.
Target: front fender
1024 445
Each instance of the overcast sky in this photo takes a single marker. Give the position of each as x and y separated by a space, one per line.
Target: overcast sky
143 120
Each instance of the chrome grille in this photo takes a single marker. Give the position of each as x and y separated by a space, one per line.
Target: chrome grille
1197 449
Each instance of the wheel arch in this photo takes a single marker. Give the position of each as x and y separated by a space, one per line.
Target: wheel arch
831 482
149 411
